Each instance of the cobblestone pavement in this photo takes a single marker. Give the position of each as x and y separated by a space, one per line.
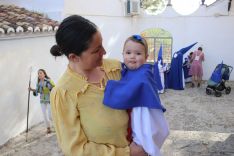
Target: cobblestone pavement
200 125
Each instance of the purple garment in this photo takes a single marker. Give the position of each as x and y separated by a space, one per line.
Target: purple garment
196 67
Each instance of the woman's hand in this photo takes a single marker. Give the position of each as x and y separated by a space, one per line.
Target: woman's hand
136 150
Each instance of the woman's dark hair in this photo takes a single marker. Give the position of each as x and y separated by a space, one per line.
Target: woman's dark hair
73 36
199 48
46 76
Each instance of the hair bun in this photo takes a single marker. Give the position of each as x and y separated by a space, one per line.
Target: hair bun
55 50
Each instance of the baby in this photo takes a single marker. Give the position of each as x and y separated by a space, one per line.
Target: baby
137 90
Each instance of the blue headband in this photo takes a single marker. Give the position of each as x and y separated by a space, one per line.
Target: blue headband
137 37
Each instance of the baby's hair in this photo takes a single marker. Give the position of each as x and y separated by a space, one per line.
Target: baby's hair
138 39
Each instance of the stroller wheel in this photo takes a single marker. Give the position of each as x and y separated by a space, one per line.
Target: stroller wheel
218 94
228 90
208 91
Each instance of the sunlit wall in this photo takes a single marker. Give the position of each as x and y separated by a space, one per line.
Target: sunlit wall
211 27
17 56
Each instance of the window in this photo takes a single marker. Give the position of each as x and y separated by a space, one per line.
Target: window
156 37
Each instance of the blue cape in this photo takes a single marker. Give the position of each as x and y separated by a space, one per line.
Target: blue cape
136 88
175 75
160 55
175 79
157 77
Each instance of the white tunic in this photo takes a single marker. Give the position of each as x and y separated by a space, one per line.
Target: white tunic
149 129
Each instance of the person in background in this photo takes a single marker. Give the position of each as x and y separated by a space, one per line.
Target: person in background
190 58
162 70
44 87
83 125
196 67
186 68
137 90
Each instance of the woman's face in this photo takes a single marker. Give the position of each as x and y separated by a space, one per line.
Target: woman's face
41 75
93 56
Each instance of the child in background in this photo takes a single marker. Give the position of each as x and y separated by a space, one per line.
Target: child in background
186 68
190 58
137 91
44 87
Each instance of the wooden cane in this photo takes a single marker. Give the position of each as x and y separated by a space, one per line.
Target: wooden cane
29 86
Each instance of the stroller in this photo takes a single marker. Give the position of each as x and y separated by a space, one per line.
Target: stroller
217 81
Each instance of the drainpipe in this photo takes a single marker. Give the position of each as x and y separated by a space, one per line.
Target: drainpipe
203 2
169 3
229 5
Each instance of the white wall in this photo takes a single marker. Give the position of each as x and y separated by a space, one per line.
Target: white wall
114 31
96 8
16 57
53 8
109 17
211 27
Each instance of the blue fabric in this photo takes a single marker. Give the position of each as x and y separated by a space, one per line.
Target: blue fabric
217 74
136 88
160 55
157 76
175 75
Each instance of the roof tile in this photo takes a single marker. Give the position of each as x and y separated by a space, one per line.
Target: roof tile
16 20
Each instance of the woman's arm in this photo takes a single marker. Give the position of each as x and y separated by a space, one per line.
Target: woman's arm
35 91
31 89
70 134
203 56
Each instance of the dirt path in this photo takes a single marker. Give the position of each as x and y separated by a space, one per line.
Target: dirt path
200 125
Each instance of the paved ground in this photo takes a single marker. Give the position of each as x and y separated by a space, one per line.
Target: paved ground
38 144
200 125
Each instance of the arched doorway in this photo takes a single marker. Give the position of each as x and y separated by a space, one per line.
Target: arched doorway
156 37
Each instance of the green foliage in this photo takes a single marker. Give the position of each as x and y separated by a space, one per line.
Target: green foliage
152 32
153 6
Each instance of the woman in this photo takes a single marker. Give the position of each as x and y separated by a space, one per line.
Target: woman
44 86
196 67
84 126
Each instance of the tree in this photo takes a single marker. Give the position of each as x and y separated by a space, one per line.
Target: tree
153 6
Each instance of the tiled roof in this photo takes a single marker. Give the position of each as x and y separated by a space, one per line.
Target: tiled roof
16 20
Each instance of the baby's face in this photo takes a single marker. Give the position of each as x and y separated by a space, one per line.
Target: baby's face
134 54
